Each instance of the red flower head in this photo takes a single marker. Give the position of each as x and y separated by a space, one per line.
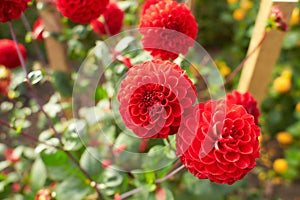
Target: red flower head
153 98
113 21
43 194
219 142
5 78
82 11
10 155
12 9
8 54
38 29
247 101
169 28
149 3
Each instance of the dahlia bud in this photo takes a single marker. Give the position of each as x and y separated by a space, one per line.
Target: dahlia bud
154 97
44 194
38 29
277 19
219 142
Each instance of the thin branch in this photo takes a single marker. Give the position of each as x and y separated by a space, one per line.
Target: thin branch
35 44
241 65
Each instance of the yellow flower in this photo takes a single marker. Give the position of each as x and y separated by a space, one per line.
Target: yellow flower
280 165
4 72
282 84
295 17
232 1
287 73
239 14
246 5
284 138
298 107
223 67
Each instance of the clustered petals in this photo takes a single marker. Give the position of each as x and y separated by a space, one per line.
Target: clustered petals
82 11
113 21
224 144
169 28
8 54
12 9
153 98
247 101
147 5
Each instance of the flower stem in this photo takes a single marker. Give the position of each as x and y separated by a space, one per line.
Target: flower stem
158 181
241 65
35 44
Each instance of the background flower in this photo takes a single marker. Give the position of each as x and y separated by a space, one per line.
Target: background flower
8 54
153 98
234 142
38 29
5 78
112 22
171 15
247 101
12 9
82 11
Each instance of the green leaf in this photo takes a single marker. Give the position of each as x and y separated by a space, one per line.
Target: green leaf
62 83
100 94
38 175
88 161
72 188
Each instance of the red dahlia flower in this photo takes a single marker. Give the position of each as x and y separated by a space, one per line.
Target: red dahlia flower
5 78
113 21
224 142
149 3
154 97
8 54
38 29
82 11
169 28
12 9
247 101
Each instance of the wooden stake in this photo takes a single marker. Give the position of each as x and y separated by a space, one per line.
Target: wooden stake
257 71
56 51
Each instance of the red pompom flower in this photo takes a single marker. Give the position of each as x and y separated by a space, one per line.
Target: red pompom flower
149 3
5 78
154 97
8 54
247 101
12 9
82 11
169 28
38 29
219 142
112 22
